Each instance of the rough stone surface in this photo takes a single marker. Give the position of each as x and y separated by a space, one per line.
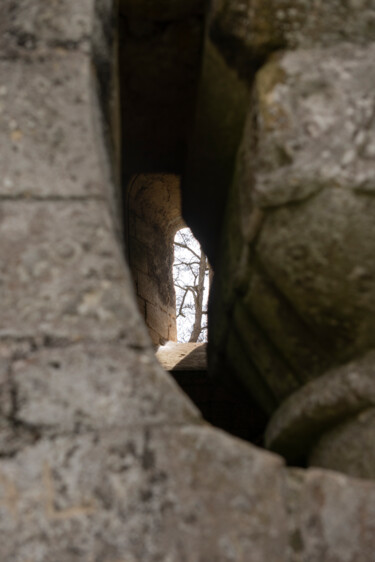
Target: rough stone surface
316 407
102 458
296 275
183 356
102 386
331 517
294 294
319 256
348 447
63 278
248 30
144 495
315 124
47 130
153 217
26 26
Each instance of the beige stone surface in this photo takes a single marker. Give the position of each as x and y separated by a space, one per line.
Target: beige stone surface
183 356
331 517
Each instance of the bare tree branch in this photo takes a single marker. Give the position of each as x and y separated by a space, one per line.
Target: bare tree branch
192 274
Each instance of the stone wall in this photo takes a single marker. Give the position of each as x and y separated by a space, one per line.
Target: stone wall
153 215
102 458
293 311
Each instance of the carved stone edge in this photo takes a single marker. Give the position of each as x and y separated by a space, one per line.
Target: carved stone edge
321 404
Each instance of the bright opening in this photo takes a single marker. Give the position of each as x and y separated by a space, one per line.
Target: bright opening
192 275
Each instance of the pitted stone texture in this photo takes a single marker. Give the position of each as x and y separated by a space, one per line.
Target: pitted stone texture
322 404
161 10
50 131
248 30
295 293
33 24
88 387
189 494
348 447
331 517
62 273
302 300
316 124
319 255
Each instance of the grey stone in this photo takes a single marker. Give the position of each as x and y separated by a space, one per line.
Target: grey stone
299 295
348 447
315 124
63 273
142 495
88 387
319 254
331 517
291 302
26 25
50 132
247 31
311 413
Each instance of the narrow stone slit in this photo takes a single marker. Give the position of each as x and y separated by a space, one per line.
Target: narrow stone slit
158 105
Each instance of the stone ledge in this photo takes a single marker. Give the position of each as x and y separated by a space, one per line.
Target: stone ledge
183 356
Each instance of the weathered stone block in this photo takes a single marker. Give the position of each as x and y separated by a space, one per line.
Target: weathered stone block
138 256
315 124
246 31
144 495
65 276
332 517
147 288
157 319
93 387
316 408
319 255
50 132
349 447
26 25
296 276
